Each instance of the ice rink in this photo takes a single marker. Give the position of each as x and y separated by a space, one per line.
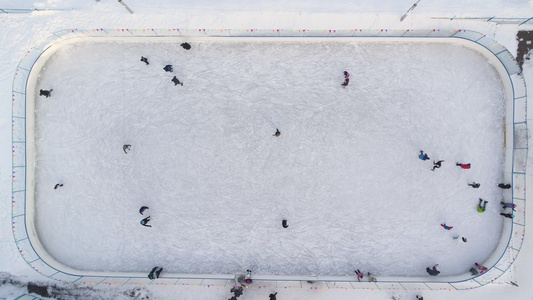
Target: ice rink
344 172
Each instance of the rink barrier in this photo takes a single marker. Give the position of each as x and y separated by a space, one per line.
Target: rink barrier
516 149
26 297
493 19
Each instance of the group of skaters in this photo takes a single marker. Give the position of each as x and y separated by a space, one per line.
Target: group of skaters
170 68
144 222
481 208
360 275
167 68
438 164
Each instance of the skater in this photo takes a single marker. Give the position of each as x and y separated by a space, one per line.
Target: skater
273 296
144 222
168 68
176 81
464 166
508 205
473 271
510 216
446 226
186 46
482 268
144 60
277 133
126 148
58 185
360 275
155 273
436 165
481 209
284 224
151 274
46 93
372 278
462 238
433 271
423 156
143 208
248 277
346 79
504 186
158 272
237 292
419 298
474 185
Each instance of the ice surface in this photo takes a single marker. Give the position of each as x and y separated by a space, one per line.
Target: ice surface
344 172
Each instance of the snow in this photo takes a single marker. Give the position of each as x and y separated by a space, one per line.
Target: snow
218 183
20 32
450 8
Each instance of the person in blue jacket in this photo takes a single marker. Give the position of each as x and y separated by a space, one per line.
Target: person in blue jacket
423 156
446 226
508 205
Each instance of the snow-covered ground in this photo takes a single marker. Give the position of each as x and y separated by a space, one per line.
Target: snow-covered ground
19 32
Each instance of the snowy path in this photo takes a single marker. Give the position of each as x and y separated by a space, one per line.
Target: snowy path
218 183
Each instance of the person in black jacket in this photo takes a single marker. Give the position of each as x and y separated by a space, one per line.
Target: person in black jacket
168 68
510 216
144 222
155 273
273 296
176 81
504 186
45 93
144 60
436 165
284 224
143 208
433 271
474 185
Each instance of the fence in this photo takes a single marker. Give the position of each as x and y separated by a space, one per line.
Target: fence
27 297
519 21
516 149
26 10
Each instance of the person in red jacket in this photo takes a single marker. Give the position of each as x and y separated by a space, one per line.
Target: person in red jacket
464 166
481 267
360 275
446 226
